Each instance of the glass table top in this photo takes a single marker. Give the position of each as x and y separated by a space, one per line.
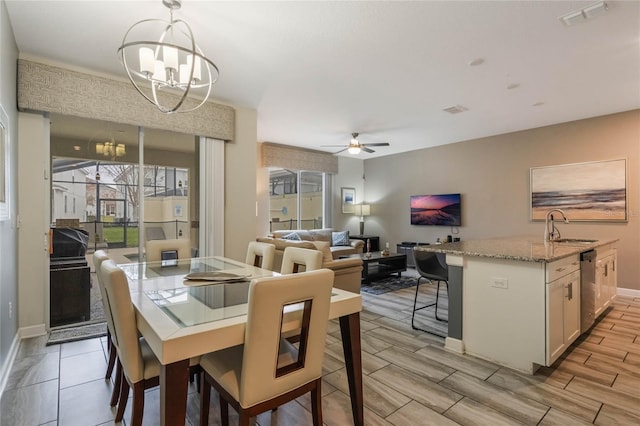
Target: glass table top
188 306
145 270
189 302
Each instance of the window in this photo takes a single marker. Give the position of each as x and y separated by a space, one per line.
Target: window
296 199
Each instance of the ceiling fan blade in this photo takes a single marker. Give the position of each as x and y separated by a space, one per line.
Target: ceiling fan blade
375 144
332 146
365 149
342 150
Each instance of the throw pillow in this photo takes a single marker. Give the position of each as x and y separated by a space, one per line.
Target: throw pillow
340 238
292 236
323 246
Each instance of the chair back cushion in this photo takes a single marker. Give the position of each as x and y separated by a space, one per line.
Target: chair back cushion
294 258
99 257
265 325
260 255
124 320
154 248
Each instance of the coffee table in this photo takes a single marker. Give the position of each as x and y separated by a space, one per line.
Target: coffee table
375 265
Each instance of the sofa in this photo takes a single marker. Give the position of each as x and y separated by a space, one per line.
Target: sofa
350 246
347 271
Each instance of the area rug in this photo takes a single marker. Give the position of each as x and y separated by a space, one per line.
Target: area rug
386 285
72 334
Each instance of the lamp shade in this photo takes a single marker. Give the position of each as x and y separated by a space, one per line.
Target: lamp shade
362 210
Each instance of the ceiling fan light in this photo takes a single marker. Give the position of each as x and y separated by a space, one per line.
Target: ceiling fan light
353 149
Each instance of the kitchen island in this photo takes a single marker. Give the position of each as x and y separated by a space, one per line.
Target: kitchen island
517 301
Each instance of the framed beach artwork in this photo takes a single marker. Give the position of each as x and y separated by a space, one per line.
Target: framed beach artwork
595 191
348 197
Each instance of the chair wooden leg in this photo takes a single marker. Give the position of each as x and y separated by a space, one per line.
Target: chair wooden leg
205 400
316 403
138 404
244 418
112 360
122 402
115 395
224 412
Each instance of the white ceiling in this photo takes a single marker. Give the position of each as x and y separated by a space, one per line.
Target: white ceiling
318 71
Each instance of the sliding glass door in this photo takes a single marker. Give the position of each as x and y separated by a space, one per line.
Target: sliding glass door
296 199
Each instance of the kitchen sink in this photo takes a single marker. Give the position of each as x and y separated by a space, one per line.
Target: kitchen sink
574 241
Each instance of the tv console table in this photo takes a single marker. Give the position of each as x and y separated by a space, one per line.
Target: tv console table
406 247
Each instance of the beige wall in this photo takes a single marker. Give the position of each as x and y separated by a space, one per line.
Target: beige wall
241 157
8 228
492 174
351 175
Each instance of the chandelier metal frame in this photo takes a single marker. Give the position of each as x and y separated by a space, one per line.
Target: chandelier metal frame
171 78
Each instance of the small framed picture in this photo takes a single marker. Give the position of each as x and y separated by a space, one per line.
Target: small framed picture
348 196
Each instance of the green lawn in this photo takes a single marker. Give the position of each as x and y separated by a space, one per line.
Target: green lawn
116 235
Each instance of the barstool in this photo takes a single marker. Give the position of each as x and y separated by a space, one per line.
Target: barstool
430 268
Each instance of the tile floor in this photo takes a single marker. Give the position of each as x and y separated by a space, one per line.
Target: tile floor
409 379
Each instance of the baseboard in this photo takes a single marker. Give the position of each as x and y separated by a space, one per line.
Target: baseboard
5 370
454 345
628 292
32 331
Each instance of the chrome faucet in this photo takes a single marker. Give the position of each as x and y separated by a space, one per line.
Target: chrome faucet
552 233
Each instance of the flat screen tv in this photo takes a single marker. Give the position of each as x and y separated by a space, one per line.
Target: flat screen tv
443 210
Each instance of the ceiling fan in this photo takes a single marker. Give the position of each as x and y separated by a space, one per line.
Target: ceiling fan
355 147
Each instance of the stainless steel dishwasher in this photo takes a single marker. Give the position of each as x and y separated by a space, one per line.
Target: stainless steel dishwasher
587 289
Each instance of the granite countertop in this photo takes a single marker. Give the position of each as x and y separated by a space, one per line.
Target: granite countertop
527 249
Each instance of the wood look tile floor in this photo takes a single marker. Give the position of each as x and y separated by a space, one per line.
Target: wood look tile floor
409 379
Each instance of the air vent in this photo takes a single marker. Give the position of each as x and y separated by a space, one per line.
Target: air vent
455 109
589 12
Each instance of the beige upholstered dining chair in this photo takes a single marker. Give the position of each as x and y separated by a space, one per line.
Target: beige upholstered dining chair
139 366
267 370
260 255
99 257
154 248
295 257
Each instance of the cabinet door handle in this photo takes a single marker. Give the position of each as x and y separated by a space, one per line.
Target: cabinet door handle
606 270
560 269
570 291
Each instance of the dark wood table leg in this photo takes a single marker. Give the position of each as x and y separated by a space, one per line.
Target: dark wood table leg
174 380
350 330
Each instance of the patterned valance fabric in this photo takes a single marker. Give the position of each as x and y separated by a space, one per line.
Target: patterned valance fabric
49 88
290 157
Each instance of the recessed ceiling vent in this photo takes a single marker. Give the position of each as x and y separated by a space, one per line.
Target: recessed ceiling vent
581 15
455 109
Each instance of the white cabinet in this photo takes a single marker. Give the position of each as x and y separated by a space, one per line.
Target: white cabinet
563 306
606 279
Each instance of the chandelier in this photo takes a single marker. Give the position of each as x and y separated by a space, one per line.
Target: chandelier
111 149
170 69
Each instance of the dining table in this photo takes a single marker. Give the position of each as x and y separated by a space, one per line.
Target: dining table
190 307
